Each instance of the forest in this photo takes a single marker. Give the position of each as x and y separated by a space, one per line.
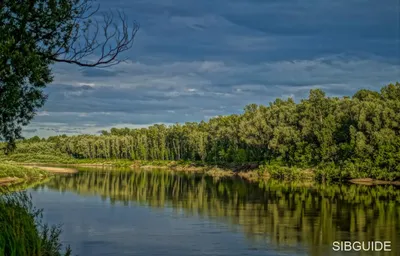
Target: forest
345 137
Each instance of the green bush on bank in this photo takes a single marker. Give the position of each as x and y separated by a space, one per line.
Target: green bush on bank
14 171
38 158
22 231
280 172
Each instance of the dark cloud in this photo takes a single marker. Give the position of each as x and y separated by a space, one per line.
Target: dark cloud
192 90
30 130
97 72
192 60
298 29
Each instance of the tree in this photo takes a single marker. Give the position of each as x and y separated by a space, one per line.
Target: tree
38 33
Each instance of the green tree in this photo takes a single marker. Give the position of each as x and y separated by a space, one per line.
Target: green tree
38 33
355 136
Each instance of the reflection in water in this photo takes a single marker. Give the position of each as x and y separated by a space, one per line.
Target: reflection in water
281 214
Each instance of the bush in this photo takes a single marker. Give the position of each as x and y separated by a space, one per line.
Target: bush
284 173
16 171
22 232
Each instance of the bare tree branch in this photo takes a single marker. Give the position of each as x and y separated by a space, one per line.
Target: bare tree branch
85 40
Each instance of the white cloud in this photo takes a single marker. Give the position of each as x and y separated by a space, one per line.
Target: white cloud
42 113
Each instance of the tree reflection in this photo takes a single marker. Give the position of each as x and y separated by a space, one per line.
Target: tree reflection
283 214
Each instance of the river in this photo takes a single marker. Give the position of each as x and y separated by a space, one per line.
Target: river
141 212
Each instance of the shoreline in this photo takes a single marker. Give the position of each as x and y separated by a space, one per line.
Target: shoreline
250 174
372 182
214 171
58 170
9 180
22 173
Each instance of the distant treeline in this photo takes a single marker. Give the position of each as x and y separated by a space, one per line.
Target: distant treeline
358 134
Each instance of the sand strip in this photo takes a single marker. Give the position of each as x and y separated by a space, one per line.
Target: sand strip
7 180
369 182
53 169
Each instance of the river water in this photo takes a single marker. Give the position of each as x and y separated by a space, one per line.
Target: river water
157 212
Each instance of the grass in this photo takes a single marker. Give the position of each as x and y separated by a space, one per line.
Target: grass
279 172
61 159
252 171
15 173
22 231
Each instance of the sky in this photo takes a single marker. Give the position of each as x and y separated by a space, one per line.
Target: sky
193 60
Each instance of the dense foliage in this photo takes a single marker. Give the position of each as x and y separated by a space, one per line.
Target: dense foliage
35 35
355 136
22 232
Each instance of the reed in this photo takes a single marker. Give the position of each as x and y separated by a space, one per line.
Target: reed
22 230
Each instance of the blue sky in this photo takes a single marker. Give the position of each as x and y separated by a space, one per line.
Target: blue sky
192 60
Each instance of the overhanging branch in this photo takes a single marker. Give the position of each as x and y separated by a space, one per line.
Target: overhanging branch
85 42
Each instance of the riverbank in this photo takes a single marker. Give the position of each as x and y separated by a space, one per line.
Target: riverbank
211 170
13 173
50 169
372 182
250 171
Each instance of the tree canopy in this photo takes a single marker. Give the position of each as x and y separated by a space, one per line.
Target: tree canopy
351 136
38 33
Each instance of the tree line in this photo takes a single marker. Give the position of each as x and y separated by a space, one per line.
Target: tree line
353 134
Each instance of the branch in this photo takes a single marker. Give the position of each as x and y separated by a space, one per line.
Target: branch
85 42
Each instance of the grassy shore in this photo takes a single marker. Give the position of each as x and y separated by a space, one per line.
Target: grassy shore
250 171
12 173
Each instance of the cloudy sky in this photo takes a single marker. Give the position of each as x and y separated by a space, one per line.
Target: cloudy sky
193 60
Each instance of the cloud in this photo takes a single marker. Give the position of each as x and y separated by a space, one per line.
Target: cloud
98 72
189 91
193 60
48 129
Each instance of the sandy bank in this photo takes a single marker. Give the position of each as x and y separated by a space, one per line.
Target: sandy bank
8 180
370 182
53 169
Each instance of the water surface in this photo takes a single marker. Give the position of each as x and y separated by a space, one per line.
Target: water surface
166 213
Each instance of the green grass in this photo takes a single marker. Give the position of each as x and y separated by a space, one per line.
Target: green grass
38 158
22 231
65 159
14 171
286 173
275 170
60 159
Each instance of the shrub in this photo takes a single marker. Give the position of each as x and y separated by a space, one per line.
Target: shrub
22 232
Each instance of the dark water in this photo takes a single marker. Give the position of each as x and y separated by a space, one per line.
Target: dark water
164 213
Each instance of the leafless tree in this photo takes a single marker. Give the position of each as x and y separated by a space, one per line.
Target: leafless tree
107 36
72 31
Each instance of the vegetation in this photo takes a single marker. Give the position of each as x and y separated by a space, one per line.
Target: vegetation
339 138
37 34
282 214
23 233
20 173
